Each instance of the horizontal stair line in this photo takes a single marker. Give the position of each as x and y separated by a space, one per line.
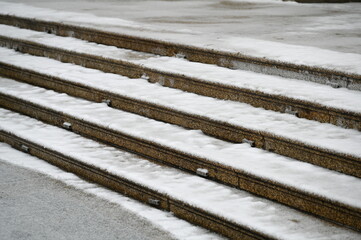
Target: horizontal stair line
308 153
304 109
197 54
317 205
136 191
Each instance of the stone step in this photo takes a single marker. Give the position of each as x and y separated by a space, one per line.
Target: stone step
192 53
281 133
304 99
233 213
297 184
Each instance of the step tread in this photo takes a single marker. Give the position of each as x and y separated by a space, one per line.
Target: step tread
118 28
233 205
169 223
295 89
306 177
326 136
306 187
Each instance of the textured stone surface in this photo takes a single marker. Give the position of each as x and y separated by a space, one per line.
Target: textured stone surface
189 213
276 191
225 59
304 109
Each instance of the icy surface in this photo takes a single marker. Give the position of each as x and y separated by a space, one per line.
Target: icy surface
321 94
258 28
303 176
178 228
237 206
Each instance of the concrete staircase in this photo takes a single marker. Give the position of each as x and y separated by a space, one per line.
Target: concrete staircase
210 145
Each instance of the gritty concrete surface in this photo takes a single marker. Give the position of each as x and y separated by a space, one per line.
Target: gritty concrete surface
34 206
329 26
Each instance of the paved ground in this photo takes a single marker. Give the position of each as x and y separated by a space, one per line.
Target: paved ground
34 206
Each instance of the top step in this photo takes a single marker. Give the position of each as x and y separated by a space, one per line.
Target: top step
234 60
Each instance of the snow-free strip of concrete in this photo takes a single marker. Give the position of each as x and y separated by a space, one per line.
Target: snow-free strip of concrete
190 197
333 210
224 59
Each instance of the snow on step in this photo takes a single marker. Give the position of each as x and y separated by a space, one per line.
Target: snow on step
326 136
304 55
164 220
302 90
234 205
303 176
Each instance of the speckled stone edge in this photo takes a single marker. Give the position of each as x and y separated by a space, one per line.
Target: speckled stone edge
136 191
303 109
298 150
311 203
197 54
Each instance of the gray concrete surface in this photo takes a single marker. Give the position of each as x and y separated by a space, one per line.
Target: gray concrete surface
34 206
329 26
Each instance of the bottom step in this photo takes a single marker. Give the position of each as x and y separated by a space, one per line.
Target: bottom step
230 212
117 208
55 196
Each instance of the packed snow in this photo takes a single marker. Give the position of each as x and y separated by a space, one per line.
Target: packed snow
235 205
292 88
237 26
238 114
178 228
232 204
258 162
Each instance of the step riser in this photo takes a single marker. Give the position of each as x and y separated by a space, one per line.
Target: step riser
304 109
133 190
214 128
191 53
286 195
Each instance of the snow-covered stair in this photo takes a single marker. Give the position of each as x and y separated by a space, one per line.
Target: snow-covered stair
297 184
270 141
328 72
131 113
234 213
228 120
304 99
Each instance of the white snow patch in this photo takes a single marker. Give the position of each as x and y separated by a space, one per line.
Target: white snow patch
235 113
289 172
304 55
327 136
178 228
232 204
292 88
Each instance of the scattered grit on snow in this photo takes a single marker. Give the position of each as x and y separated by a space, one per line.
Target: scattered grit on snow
306 177
237 206
308 91
178 228
304 55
